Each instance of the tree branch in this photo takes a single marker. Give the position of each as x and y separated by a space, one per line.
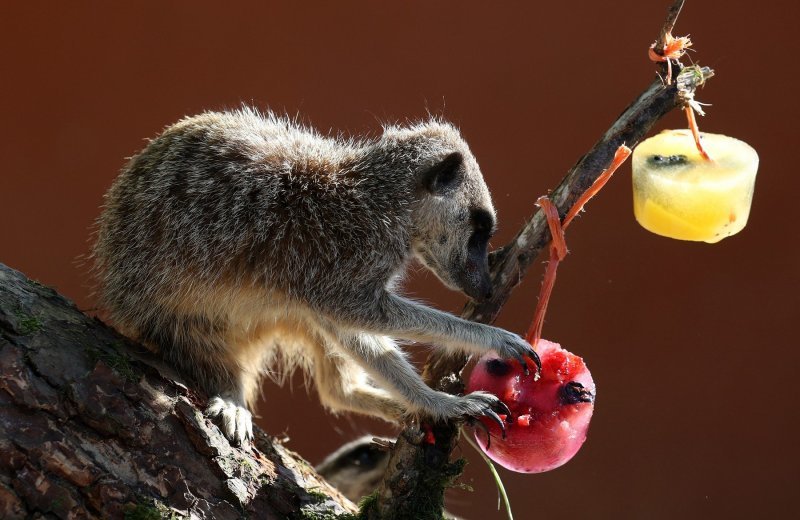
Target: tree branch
508 266
669 24
93 426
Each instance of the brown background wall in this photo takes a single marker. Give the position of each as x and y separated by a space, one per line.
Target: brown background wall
693 346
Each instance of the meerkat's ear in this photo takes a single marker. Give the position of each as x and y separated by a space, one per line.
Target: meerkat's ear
444 175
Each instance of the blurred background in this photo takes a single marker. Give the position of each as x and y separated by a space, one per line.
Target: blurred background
691 345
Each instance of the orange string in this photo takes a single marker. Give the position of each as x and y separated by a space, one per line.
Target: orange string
558 250
695 131
558 244
620 156
673 49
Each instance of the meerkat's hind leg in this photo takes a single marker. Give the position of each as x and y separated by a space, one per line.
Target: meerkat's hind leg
233 418
235 394
197 347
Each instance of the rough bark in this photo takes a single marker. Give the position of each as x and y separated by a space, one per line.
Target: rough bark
93 426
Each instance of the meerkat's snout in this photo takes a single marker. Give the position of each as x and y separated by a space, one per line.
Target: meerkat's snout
473 276
475 280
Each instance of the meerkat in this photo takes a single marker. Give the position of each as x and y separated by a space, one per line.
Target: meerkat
357 468
238 242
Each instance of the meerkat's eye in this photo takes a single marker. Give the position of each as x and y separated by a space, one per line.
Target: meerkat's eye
444 175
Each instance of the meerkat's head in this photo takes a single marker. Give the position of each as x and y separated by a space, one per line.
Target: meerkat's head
453 218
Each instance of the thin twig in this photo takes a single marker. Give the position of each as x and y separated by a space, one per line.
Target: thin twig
509 264
669 24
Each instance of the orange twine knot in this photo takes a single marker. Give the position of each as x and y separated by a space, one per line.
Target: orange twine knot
674 49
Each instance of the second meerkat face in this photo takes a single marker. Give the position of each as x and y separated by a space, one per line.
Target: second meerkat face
453 224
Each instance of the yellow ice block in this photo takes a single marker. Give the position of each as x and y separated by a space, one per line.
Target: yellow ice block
678 194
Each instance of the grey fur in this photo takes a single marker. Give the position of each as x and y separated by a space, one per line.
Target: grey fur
356 468
236 240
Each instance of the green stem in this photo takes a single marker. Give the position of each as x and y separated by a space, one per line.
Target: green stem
499 483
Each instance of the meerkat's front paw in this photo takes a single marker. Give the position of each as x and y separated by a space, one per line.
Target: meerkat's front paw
509 345
479 404
235 421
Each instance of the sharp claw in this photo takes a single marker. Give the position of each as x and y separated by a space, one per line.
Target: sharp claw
491 414
479 424
504 410
535 357
524 364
